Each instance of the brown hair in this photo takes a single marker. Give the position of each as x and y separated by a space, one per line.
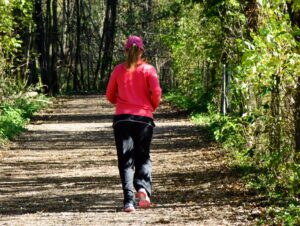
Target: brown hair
132 56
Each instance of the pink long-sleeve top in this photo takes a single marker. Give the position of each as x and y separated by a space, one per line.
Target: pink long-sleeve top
135 92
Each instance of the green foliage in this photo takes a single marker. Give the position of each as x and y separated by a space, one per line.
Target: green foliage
30 105
11 122
259 131
200 36
14 15
16 111
181 101
190 102
265 82
280 184
227 130
16 106
288 216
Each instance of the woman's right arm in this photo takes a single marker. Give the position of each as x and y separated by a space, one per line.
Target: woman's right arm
154 87
111 90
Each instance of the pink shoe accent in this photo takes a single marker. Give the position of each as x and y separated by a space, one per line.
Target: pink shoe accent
144 201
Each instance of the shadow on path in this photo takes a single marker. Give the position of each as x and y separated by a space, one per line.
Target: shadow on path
56 168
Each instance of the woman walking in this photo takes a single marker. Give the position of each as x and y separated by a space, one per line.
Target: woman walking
134 89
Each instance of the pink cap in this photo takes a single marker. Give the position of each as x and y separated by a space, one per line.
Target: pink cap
134 40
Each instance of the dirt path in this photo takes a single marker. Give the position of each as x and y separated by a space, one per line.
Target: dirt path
63 171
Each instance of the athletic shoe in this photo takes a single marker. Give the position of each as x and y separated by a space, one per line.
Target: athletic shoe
128 207
144 200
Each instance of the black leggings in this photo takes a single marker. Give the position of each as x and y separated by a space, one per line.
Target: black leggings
133 139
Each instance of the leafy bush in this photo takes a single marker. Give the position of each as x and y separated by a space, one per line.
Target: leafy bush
16 112
230 131
181 101
191 103
288 216
11 122
30 105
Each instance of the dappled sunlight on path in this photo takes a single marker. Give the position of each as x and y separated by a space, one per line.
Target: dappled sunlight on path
63 171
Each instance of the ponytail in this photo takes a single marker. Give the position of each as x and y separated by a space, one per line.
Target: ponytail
132 56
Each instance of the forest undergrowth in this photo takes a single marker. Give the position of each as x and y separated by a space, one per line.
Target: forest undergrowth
281 196
17 106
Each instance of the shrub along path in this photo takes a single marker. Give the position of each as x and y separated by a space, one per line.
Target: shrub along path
63 171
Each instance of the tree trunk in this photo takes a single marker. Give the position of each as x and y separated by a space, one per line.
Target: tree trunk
81 74
40 41
48 41
147 14
100 47
64 27
98 63
33 78
295 19
54 76
297 117
109 34
275 132
27 40
252 14
78 50
68 46
130 18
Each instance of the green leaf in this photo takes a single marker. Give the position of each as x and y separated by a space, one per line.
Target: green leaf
296 33
264 31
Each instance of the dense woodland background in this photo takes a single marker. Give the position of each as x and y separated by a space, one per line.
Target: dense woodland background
235 65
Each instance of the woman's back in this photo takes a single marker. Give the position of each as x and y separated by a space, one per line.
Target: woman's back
138 90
